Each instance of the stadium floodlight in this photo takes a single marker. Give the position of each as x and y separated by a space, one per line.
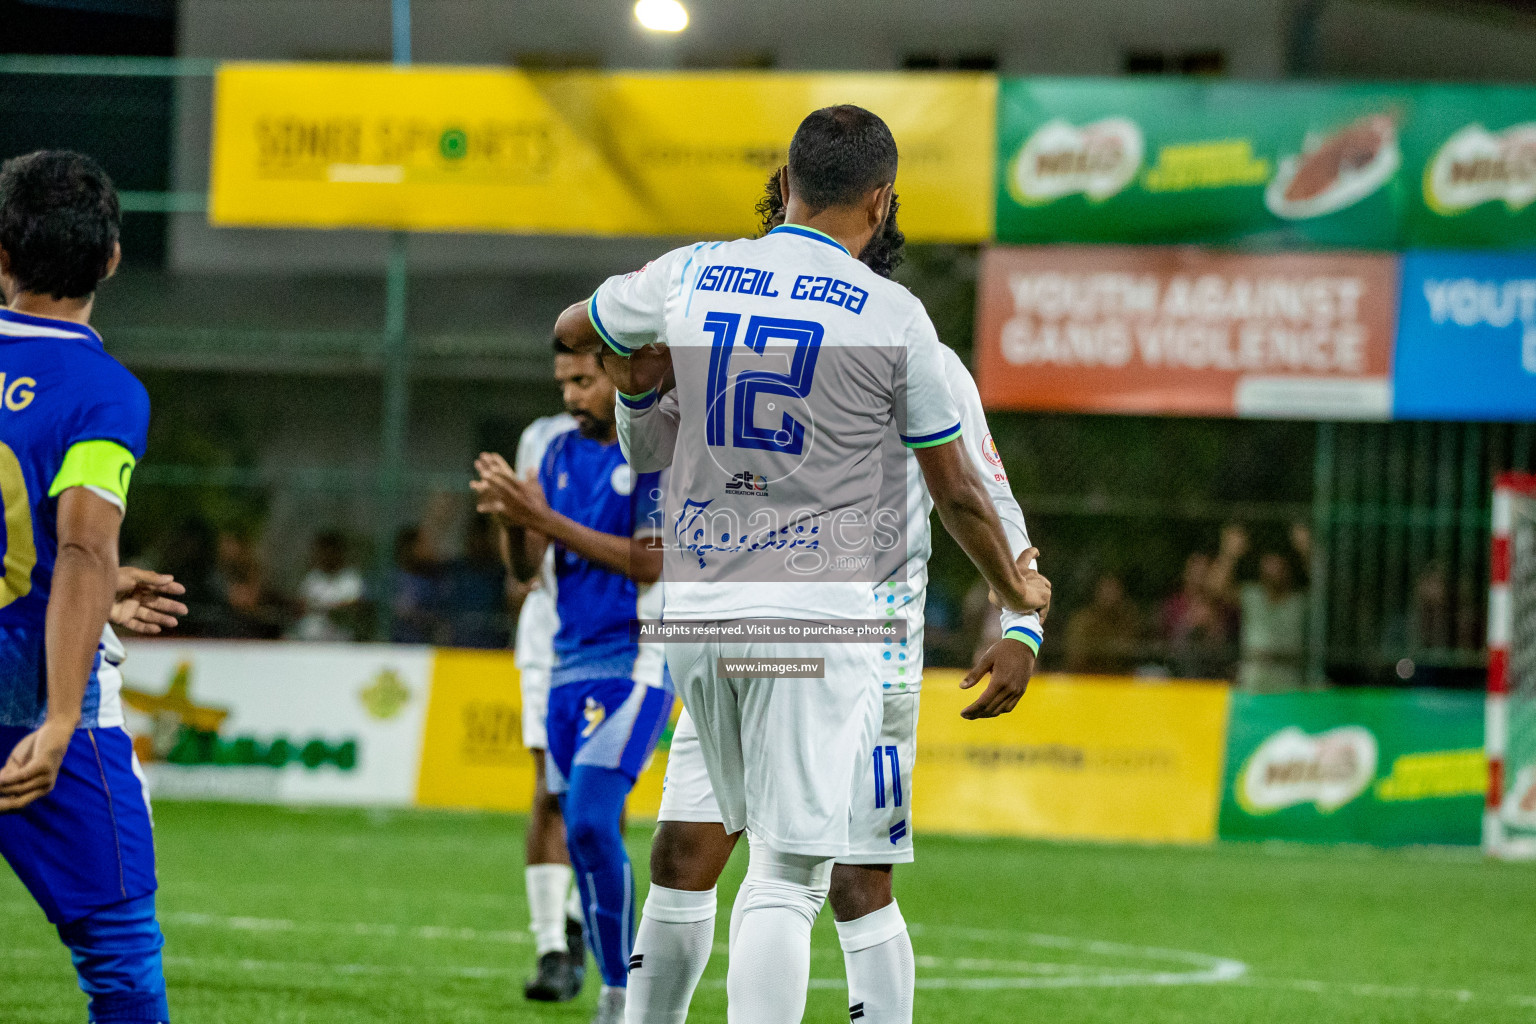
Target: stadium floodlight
1509 824
661 15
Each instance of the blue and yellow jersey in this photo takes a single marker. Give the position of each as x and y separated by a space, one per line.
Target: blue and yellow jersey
70 416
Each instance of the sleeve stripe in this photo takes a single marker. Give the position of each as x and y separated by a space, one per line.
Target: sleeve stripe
929 440
597 325
1024 636
638 402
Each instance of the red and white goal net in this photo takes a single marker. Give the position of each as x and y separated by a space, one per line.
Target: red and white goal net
1509 823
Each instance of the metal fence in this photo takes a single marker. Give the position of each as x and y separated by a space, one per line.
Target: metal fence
1399 512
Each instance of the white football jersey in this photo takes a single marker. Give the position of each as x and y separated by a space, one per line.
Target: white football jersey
648 436
799 372
537 621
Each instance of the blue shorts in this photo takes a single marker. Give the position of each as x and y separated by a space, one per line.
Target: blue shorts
605 723
89 843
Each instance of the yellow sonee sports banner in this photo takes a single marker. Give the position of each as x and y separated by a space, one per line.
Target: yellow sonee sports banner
583 153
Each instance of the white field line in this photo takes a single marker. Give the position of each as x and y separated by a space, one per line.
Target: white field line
1200 968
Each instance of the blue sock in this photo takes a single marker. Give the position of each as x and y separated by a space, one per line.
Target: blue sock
594 807
116 950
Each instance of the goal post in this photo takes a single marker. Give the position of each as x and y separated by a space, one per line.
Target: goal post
1509 819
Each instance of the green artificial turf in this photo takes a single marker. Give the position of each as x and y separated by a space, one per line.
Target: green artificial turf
279 916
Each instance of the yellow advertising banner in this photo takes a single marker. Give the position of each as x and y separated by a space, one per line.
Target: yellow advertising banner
583 153
472 753
1079 758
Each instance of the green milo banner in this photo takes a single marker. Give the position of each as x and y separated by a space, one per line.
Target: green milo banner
1473 150
1270 165
1390 767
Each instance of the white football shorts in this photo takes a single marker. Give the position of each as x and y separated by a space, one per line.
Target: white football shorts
881 827
533 683
781 756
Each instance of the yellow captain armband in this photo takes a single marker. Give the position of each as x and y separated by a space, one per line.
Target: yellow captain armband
106 465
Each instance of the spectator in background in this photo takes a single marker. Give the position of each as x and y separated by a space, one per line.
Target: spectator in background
416 594
251 610
331 593
191 555
475 591
1273 611
1197 630
1105 637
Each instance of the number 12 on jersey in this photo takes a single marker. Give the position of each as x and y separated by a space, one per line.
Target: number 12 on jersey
789 436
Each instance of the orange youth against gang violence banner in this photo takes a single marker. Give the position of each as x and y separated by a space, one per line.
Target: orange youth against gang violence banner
1190 332
583 153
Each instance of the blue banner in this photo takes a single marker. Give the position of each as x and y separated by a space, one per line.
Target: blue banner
1466 341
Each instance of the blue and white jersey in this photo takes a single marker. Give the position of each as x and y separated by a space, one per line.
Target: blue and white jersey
649 437
589 482
64 404
799 371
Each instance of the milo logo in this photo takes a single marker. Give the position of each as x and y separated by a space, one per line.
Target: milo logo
1292 767
1476 166
1097 160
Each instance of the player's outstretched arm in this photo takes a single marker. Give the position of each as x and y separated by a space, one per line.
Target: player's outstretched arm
967 513
84 585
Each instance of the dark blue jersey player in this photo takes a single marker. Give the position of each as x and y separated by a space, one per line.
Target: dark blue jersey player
609 697
74 819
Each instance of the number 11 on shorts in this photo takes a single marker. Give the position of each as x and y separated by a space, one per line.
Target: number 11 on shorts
882 754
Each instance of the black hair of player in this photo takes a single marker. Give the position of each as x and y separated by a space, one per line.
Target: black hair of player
884 251
59 222
839 155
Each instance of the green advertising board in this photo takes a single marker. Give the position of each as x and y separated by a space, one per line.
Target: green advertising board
1141 161
1474 148
1282 165
1389 767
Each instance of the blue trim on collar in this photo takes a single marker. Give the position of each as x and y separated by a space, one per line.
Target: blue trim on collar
805 232
84 331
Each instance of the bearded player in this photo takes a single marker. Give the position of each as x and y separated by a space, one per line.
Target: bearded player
691 846
852 357
609 695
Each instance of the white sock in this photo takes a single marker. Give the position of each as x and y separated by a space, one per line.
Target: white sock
573 906
882 973
547 885
771 957
672 944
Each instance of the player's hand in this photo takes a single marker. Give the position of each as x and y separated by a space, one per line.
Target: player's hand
33 767
145 602
1011 664
517 501
1036 588
646 369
